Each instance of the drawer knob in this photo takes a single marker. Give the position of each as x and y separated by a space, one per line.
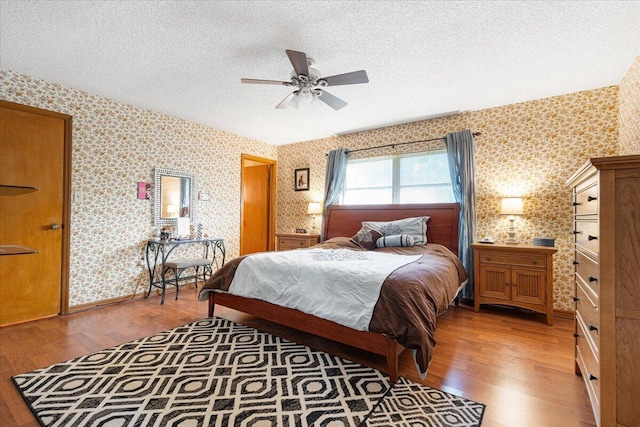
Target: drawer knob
591 198
576 299
575 262
592 328
590 237
592 377
488 258
592 279
576 335
534 262
576 204
576 232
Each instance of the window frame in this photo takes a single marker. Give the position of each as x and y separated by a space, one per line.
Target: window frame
395 176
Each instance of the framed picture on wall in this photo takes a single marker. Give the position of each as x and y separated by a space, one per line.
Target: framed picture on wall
144 190
301 179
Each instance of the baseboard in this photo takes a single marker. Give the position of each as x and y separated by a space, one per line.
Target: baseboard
94 304
563 314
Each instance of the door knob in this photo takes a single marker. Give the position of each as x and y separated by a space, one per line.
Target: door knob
54 226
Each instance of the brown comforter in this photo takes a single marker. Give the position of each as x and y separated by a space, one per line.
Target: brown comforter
410 299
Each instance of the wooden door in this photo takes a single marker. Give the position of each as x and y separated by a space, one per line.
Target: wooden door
257 214
33 153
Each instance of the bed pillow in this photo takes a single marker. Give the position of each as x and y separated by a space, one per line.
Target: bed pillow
366 238
416 227
395 240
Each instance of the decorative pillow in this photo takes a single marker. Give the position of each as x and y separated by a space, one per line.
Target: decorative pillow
366 237
416 227
395 240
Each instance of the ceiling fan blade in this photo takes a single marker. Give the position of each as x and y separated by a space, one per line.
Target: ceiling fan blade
347 78
265 82
299 62
332 101
285 102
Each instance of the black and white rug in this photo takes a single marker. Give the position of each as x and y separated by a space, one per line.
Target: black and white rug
215 372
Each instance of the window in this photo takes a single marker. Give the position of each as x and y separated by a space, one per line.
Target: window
407 178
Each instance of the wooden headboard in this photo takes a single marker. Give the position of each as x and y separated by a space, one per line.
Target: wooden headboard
442 228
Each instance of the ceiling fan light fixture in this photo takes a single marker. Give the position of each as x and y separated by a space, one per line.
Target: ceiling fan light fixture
295 101
304 99
310 83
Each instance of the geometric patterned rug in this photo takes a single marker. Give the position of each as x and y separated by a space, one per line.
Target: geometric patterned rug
412 404
215 372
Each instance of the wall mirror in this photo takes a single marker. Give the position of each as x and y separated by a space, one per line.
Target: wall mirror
173 196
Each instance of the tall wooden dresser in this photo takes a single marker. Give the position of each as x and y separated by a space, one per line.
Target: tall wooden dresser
606 199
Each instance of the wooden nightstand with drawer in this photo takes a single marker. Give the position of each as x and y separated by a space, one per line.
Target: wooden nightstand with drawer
514 275
288 241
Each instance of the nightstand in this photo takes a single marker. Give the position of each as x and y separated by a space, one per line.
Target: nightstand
288 241
514 275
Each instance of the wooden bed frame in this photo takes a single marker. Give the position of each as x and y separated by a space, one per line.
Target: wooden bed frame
346 221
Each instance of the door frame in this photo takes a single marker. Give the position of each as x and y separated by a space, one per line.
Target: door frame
271 226
66 195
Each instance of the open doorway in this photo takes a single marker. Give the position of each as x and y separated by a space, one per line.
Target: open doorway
258 201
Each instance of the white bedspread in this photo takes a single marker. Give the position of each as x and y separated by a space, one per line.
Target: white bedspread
340 285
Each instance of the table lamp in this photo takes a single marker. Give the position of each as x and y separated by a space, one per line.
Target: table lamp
511 206
315 208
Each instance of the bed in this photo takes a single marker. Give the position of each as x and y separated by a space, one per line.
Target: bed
341 223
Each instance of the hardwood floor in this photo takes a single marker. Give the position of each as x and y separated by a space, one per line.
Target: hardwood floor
522 369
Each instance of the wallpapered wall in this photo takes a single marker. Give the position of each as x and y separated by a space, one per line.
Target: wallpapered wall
629 111
115 145
528 149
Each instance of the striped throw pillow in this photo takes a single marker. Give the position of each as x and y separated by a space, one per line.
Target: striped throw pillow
395 240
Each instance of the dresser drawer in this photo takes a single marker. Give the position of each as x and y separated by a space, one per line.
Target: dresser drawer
499 258
589 313
586 237
588 272
289 241
292 243
586 198
589 366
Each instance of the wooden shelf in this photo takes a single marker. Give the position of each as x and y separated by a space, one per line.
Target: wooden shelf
16 190
16 250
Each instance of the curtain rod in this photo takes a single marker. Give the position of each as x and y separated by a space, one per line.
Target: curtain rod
404 143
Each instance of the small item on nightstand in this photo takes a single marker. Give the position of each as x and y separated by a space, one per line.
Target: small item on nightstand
301 231
544 241
486 240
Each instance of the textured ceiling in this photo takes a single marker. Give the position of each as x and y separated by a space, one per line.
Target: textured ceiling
186 58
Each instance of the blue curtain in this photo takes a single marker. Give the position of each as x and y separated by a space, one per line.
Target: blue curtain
462 168
334 178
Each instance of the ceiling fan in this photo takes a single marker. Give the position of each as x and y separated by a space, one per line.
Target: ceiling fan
310 84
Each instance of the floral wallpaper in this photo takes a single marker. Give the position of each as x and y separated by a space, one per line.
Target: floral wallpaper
528 149
114 146
629 115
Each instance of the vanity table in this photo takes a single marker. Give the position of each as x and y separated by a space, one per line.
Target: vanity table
158 252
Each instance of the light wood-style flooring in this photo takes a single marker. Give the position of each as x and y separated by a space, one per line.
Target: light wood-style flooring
522 369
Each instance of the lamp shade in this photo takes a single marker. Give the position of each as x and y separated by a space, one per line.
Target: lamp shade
314 208
511 206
